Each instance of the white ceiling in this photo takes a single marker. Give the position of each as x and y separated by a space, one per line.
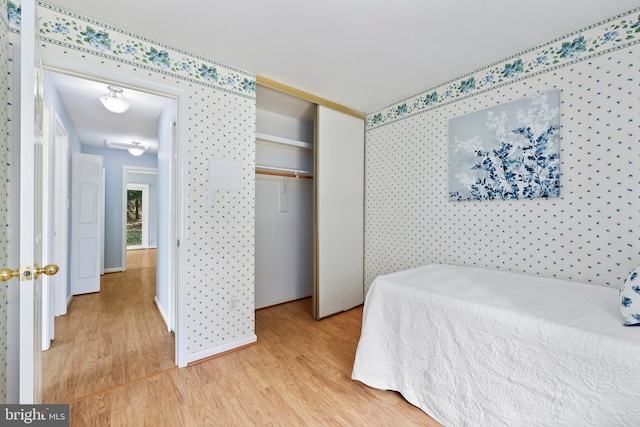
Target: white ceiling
364 54
95 124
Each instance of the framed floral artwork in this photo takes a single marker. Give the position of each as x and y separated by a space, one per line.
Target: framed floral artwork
510 151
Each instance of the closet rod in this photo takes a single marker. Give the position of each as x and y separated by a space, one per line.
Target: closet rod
284 174
280 169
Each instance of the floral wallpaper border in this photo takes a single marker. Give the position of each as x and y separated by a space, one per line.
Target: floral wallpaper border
67 29
13 15
615 33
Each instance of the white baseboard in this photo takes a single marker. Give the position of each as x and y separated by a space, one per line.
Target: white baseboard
69 300
221 348
113 270
162 313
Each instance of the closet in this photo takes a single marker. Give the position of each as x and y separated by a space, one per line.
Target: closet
284 197
309 200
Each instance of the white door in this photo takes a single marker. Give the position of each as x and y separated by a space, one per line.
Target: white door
339 212
86 223
31 202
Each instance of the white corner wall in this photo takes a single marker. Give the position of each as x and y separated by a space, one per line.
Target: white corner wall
165 271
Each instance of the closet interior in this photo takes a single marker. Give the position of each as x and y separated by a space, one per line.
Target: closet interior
284 197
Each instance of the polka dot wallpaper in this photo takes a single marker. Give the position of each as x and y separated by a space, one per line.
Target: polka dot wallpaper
591 233
4 180
221 124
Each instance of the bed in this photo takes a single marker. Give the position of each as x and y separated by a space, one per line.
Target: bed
479 347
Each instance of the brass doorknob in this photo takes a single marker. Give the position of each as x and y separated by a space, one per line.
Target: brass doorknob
49 270
8 274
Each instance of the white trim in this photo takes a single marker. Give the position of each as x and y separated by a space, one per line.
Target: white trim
61 214
63 65
103 226
221 348
173 249
48 255
69 300
162 313
181 232
112 270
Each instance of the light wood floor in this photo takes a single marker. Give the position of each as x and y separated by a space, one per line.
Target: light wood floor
298 374
110 337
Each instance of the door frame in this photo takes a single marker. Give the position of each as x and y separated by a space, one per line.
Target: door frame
126 170
48 247
61 215
55 217
144 188
178 163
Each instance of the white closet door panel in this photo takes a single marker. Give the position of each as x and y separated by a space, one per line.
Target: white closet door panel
339 179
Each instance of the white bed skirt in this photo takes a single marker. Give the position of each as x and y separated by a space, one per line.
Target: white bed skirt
478 347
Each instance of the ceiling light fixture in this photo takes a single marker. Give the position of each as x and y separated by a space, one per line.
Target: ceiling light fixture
138 149
114 101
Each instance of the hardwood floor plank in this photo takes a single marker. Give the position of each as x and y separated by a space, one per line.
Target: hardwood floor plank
110 337
298 374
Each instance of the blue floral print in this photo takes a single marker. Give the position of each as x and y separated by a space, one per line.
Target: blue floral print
574 48
541 59
431 99
60 28
14 14
512 70
210 74
630 298
467 86
98 39
159 57
249 85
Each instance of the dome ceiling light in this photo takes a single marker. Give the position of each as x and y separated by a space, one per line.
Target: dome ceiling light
137 149
114 101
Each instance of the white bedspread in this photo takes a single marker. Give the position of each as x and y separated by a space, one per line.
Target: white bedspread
478 347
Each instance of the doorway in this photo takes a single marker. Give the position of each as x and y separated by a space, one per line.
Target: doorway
137 214
140 213
66 103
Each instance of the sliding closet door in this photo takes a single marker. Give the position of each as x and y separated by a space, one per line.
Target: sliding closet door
339 212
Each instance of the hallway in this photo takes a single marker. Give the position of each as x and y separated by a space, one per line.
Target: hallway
109 338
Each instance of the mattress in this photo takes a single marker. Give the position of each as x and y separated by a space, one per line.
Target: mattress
472 346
